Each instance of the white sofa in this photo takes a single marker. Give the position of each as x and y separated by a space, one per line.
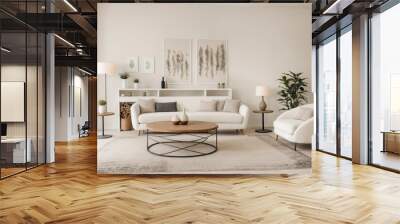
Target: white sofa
296 125
225 120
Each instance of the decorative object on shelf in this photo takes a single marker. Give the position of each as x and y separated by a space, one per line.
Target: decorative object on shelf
147 65
133 64
212 61
263 92
175 120
184 119
178 60
163 83
292 90
106 69
102 106
125 114
124 78
223 85
136 83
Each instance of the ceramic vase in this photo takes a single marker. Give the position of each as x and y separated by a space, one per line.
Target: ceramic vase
136 85
175 120
124 83
184 118
102 109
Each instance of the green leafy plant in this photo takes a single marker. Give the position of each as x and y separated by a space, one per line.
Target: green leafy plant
292 90
136 80
124 75
102 102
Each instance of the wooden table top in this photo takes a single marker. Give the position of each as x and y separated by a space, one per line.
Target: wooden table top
262 111
191 127
105 114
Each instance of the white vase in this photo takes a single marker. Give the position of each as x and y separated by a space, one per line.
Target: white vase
102 109
183 117
124 83
136 85
175 119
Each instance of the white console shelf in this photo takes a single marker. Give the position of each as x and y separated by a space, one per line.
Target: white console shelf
132 95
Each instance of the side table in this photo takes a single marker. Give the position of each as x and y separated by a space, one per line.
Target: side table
262 112
102 115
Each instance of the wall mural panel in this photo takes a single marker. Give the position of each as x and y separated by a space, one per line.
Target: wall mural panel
212 61
178 61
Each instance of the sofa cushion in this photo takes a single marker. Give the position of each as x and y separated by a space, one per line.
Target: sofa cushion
216 117
207 106
288 126
147 105
304 113
232 106
220 105
157 116
166 107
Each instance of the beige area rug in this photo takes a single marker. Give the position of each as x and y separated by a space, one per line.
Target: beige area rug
126 153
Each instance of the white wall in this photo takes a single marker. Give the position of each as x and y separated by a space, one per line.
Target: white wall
264 40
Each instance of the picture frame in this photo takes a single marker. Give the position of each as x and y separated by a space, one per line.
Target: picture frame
147 65
212 62
178 61
133 64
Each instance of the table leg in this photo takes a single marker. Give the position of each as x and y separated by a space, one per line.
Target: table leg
262 118
263 129
102 136
102 126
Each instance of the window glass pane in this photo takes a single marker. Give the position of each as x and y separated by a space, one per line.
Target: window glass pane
385 89
14 153
327 96
346 94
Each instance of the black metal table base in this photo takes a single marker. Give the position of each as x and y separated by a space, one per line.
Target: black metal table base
103 136
180 145
264 130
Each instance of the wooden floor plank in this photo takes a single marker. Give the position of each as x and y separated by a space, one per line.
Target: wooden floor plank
70 191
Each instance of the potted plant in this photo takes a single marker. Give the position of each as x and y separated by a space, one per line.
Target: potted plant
125 114
136 83
102 106
124 78
292 90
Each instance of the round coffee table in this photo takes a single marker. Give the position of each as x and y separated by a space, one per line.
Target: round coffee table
181 140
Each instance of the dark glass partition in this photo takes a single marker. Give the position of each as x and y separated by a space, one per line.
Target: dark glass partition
22 78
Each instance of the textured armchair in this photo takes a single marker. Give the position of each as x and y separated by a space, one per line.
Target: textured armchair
296 125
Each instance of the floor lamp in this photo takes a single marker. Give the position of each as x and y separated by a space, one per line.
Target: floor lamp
106 69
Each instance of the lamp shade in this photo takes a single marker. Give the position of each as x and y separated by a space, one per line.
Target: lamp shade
262 91
106 68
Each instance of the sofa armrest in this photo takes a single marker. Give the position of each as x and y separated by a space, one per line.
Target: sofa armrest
287 114
304 132
135 112
244 110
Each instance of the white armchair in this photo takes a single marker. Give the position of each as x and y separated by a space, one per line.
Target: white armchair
296 125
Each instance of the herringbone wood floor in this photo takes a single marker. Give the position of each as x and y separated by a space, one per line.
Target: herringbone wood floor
69 191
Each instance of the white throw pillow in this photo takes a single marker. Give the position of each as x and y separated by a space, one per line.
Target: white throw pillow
220 105
232 106
147 105
207 106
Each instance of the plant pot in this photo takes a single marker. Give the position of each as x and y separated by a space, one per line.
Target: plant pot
102 109
136 85
124 83
126 124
